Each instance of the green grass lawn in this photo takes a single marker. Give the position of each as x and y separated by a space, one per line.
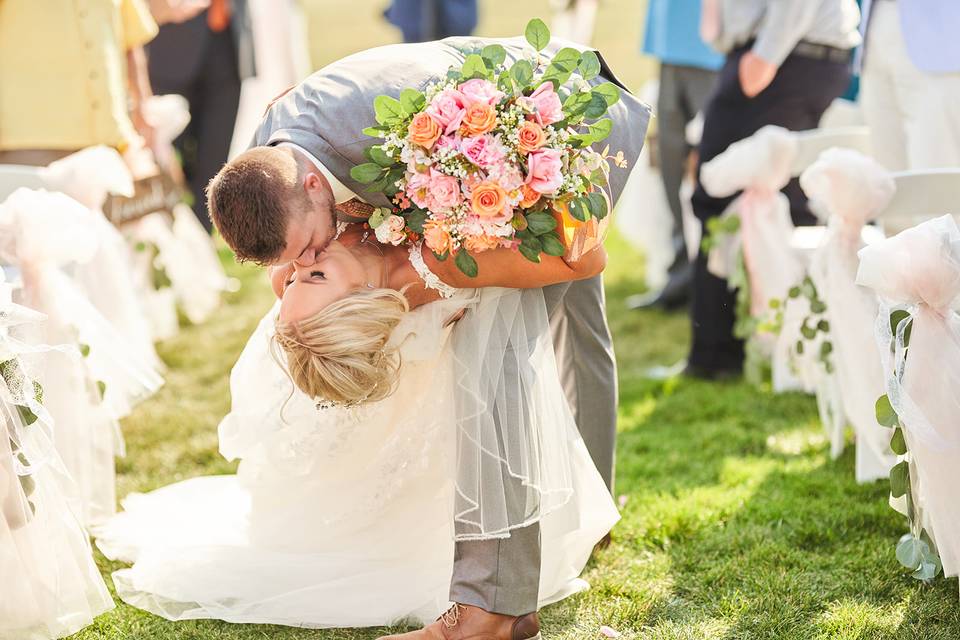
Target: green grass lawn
736 523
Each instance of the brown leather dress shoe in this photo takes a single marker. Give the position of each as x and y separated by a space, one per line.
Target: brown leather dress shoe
465 622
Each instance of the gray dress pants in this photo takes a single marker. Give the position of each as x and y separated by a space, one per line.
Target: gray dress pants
683 93
503 576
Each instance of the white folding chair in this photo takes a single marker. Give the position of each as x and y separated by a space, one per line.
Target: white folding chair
922 195
810 145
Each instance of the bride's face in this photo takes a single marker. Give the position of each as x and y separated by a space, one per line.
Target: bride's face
307 290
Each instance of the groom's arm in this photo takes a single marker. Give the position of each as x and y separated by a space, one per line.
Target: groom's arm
508 268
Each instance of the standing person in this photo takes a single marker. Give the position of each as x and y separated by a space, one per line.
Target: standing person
910 86
204 59
425 20
72 77
687 75
786 61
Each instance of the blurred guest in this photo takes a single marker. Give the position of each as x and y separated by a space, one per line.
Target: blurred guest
687 74
574 19
204 59
424 20
786 61
72 75
910 86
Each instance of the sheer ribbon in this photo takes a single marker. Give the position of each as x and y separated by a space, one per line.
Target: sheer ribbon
852 189
919 270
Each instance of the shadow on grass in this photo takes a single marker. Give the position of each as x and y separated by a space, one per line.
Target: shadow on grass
757 533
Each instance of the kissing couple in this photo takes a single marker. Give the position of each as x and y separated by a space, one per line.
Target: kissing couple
419 441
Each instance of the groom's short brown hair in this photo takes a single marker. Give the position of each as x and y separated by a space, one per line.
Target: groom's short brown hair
250 202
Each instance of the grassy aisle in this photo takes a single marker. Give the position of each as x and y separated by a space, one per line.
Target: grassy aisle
736 522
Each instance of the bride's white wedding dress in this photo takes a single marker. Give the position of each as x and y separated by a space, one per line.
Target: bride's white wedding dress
344 517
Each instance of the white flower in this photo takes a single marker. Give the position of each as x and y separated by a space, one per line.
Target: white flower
390 231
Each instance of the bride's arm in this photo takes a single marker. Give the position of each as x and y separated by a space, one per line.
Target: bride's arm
508 268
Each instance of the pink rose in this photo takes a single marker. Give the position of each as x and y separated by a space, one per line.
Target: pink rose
448 108
480 90
391 230
483 151
511 178
547 102
543 170
444 191
418 188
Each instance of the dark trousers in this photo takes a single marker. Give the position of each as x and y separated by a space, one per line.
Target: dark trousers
213 92
796 99
683 93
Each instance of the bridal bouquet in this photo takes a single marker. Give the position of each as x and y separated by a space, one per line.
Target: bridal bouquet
494 156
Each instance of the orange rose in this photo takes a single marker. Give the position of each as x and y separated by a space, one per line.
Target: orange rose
477 244
530 197
424 130
532 137
436 237
479 119
488 199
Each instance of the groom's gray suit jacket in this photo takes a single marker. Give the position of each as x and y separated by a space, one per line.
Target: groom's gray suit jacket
325 115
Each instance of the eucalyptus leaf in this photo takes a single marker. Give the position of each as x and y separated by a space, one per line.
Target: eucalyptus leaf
27 416
84 349
552 246
412 100
600 129
379 156
896 317
609 91
899 479
522 73
495 53
597 106
589 65
366 173
537 34
376 132
466 263
474 67
388 110
102 388
799 347
817 307
577 103
886 416
540 223
823 326
897 443
794 292
505 82
909 551
378 216
415 220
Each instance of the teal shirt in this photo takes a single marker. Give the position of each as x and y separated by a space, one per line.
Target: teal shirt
673 35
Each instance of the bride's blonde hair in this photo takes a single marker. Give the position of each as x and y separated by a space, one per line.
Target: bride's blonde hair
341 353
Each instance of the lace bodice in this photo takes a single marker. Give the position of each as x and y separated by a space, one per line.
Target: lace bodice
430 279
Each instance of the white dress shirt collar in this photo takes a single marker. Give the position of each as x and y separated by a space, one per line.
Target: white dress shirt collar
340 191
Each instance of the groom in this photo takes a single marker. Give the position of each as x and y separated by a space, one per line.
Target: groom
279 202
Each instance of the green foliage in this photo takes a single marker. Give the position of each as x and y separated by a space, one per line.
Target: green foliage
412 100
475 67
466 263
366 173
537 34
886 416
541 222
494 54
522 73
388 111
589 65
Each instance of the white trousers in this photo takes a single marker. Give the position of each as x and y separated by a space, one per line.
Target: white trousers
914 117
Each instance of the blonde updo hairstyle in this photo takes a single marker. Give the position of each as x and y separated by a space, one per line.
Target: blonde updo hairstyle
341 353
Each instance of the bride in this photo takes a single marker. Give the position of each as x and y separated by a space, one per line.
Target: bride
354 455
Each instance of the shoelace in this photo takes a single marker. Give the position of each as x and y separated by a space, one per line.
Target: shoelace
451 617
